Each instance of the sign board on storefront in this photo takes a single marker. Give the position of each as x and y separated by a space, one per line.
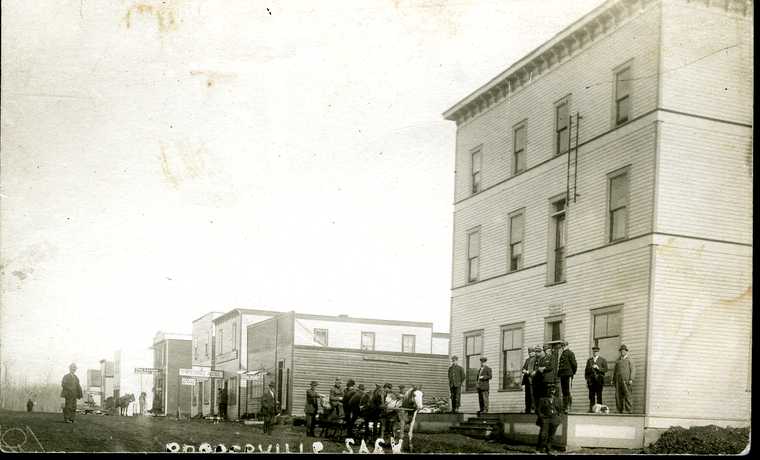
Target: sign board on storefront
146 370
201 373
188 381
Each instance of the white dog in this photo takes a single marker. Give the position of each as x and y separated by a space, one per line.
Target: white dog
600 409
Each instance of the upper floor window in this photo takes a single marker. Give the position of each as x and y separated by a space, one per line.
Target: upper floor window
473 349
511 357
519 145
195 347
407 343
219 348
476 162
561 126
618 206
516 234
557 232
623 95
368 341
234 336
473 255
320 336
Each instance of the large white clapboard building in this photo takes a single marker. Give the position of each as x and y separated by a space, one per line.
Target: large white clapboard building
603 195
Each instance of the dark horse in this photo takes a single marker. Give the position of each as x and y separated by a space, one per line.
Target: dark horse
124 403
366 408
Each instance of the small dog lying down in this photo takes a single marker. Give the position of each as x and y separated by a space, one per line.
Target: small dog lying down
600 409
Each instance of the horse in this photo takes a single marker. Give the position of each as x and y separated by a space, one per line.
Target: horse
399 407
328 419
372 410
124 402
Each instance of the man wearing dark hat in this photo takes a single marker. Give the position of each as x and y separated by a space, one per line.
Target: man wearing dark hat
536 376
71 390
348 414
268 407
566 371
483 385
622 379
596 367
456 377
549 412
312 407
527 379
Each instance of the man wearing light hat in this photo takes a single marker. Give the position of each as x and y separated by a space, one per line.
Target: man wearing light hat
622 379
71 390
456 377
312 407
596 367
484 385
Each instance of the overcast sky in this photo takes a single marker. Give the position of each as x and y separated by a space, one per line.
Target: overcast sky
168 158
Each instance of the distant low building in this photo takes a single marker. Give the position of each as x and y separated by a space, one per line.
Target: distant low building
171 352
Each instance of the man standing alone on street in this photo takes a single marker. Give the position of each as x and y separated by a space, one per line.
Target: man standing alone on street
567 369
596 367
71 390
484 385
268 407
622 378
527 379
456 377
312 407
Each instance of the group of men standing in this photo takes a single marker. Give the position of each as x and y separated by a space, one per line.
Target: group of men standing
547 367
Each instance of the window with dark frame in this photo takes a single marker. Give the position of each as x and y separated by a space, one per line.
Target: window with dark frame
473 349
519 144
473 255
511 357
562 127
476 161
320 336
607 327
553 329
368 341
408 343
618 207
516 235
622 95
557 240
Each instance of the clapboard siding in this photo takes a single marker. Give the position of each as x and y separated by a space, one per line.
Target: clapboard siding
701 329
587 76
707 57
326 364
615 275
714 161
632 146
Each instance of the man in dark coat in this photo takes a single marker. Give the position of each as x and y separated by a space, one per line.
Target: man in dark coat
312 407
546 371
71 390
596 367
223 403
336 398
483 385
268 407
29 405
527 379
622 378
549 418
536 377
348 410
566 371
456 378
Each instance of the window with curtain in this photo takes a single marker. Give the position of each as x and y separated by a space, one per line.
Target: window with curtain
511 357
473 349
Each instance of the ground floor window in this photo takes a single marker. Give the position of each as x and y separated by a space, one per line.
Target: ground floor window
607 327
473 350
206 388
554 328
511 357
232 392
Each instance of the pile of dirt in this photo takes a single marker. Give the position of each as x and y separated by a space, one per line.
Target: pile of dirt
710 440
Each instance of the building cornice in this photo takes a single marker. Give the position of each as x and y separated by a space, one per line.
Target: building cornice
563 46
